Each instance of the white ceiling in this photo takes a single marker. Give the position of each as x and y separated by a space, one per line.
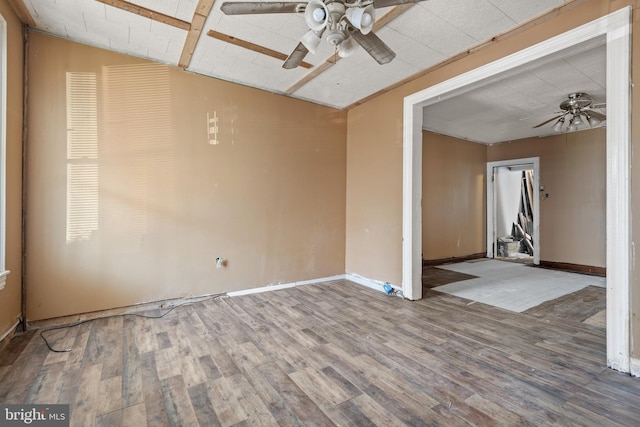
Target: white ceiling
509 109
426 34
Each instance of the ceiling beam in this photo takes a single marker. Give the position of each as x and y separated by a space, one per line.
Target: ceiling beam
391 15
197 25
148 13
23 13
381 22
313 74
252 46
204 7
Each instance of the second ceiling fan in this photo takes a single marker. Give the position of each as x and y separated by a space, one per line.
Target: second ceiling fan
341 23
579 108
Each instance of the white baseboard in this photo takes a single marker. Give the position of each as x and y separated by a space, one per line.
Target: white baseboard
370 283
284 286
634 366
364 281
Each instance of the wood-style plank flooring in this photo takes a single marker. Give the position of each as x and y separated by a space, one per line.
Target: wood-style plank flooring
329 354
433 277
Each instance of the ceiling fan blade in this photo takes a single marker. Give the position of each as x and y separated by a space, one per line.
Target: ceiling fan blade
374 46
295 58
550 120
599 116
385 3
251 7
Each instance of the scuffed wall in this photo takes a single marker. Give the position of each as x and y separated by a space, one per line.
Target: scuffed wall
141 175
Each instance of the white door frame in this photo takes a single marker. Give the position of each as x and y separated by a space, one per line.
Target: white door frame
616 29
491 203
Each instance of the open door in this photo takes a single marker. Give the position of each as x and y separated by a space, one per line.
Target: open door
513 209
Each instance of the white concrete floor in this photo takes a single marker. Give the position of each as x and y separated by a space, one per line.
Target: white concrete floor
513 286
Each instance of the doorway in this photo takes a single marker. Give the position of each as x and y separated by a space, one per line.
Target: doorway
616 28
513 211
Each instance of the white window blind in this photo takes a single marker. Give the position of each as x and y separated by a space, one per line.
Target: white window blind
82 156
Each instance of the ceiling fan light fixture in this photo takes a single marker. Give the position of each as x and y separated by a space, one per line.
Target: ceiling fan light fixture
310 40
347 47
334 36
577 120
316 15
362 18
593 121
577 106
558 126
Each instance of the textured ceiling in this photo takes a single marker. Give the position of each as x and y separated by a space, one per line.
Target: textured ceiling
510 108
177 32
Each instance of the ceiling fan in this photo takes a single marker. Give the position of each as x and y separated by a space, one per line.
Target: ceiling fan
579 108
344 24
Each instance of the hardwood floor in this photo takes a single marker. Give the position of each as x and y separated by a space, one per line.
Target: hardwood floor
579 306
434 276
329 354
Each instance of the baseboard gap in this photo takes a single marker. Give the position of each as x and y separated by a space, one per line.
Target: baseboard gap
452 260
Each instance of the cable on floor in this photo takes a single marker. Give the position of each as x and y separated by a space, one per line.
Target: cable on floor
145 316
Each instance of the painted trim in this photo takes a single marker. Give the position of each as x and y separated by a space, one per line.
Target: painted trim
284 286
616 27
370 283
412 199
618 188
535 161
355 278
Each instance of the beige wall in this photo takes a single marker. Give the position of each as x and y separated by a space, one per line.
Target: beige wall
453 197
10 296
572 219
573 172
374 194
162 202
